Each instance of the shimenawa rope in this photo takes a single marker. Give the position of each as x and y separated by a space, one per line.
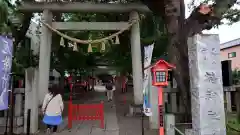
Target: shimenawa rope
131 22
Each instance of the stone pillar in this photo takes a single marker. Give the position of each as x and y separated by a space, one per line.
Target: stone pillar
170 124
188 132
45 54
18 104
166 101
208 116
136 59
153 119
173 102
18 125
174 83
31 99
229 101
181 106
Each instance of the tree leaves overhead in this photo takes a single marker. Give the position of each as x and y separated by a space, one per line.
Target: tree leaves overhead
16 24
232 15
4 16
152 28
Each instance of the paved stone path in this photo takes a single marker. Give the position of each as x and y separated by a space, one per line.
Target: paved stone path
116 123
93 127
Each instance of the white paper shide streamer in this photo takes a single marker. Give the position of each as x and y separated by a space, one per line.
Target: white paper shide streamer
147 62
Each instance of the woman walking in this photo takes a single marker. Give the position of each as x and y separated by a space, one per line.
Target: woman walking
52 109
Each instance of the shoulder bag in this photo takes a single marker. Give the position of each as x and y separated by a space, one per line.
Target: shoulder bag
47 105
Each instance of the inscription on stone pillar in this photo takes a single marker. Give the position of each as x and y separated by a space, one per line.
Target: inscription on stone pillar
208 116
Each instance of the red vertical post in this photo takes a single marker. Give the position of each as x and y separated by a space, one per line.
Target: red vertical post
70 107
69 114
102 115
160 107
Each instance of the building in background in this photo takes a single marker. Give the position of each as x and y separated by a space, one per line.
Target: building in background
231 51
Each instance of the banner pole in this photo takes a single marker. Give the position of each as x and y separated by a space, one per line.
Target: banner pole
6 125
142 120
12 107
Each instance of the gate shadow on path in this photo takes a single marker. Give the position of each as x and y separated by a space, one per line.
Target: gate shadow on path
130 125
92 127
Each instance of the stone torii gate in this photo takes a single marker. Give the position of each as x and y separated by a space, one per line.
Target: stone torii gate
46 37
205 73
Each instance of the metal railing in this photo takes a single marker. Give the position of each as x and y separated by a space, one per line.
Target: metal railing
177 130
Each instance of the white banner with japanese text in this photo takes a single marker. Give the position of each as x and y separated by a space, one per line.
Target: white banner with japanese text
148 50
6 49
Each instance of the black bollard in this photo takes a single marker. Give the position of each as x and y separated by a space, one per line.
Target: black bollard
28 121
142 118
12 105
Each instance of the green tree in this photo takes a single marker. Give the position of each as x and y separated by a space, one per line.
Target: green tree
204 16
236 76
120 55
10 24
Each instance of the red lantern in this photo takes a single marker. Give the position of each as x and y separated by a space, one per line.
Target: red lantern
160 79
160 73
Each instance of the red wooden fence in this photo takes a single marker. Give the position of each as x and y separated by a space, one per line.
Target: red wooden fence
85 112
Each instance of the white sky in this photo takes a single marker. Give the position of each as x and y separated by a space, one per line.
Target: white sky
226 32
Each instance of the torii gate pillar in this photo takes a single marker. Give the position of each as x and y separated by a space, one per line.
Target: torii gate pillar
45 54
136 59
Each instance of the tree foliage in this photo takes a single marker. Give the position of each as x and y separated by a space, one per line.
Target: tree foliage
67 61
236 76
204 16
16 24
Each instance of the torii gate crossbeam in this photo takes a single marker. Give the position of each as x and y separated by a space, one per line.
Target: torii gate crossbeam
82 7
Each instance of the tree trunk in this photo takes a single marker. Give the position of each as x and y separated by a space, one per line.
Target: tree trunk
177 53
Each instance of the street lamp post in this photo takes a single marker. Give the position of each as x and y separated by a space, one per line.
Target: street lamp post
159 79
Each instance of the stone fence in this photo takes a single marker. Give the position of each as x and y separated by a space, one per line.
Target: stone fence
18 121
230 96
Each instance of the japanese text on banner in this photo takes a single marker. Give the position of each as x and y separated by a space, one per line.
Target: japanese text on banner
5 66
147 62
